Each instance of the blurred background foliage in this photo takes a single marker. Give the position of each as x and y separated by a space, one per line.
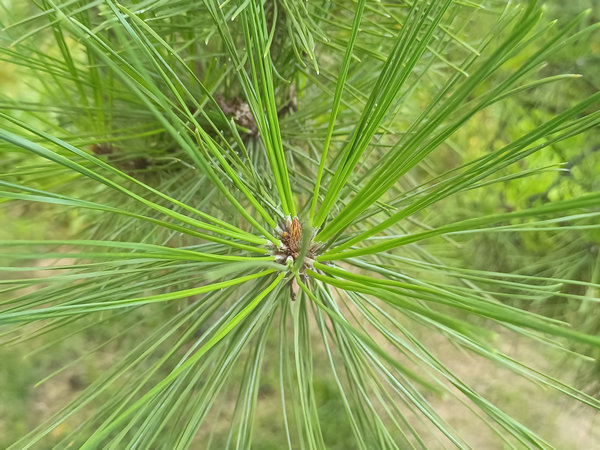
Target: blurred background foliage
567 169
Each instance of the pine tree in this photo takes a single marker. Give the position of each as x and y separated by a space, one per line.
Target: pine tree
281 215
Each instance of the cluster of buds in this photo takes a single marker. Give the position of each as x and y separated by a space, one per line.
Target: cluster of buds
291 248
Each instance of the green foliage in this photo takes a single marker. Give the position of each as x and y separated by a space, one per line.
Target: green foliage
241 201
